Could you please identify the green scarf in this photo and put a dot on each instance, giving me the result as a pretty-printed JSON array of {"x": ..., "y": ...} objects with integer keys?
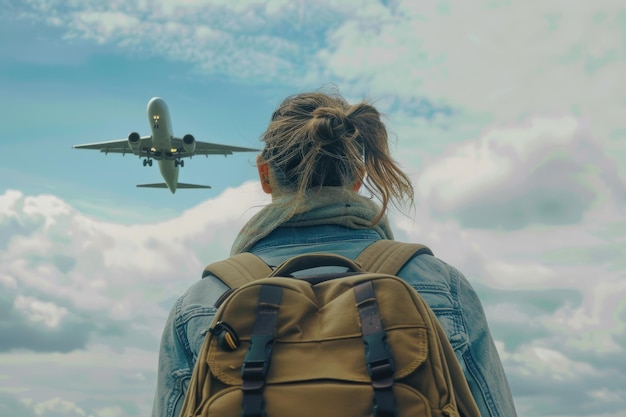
[{"x": 326, "y": 205}]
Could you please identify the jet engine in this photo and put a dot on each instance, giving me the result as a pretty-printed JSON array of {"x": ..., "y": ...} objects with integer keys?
[
  {"x": 133, "y": 141},
  {"x": 189, "y": 143}
]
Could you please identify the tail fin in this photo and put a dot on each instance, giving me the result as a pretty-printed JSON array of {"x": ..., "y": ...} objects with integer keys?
[{"x": 179, "y": 185}]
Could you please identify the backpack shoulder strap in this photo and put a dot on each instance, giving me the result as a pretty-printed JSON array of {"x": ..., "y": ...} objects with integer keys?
[
  {"x": 389, "y": 256},
  {"x": 238, "y": 270}
]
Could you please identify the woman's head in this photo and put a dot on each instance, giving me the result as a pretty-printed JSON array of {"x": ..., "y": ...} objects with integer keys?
[{"x": 319, "y": 139}]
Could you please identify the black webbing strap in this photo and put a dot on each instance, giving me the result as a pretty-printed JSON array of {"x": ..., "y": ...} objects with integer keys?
[
  {"x": 377, "y": 353},
  {"x": 258, "y": 357}
]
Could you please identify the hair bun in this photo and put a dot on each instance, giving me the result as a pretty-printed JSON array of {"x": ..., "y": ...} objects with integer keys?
[{"x": 331, "y": 124}]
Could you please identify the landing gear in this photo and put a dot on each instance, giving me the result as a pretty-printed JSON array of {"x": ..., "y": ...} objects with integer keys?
[
  {"x": 179, "y": 162},
  {"x": 147, "y": 162}
]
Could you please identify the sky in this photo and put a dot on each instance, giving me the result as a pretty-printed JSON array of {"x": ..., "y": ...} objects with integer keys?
[{"x": 509, "y": 117}]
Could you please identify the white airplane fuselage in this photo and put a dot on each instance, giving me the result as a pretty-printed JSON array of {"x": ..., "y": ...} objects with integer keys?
[{"x": 162, "y": 133}]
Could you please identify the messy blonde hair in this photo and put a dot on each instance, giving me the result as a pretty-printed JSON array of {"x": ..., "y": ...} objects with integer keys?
[{"x": 318, "y": 139}]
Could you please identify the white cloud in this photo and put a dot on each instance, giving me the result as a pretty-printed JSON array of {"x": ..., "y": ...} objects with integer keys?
[
  {"x": 595, "y": 325},
  {"x": 552, "y": 364},
  {"x": 226, "y": 38},
  {"x": 523, "y": 275},
  {"x": 100, "y": 258},
  {"x": 40, "y": 311},
  {"x": 110, "y": 412},
  {"x": 500, "y": 59},
  {"x": 8, "y": 202},
  {"x": 538, "y": 171},
  {"x": 509, "y": 313},
  {"x": 58, "y": 407},
  {"x": 8, "y": 281},
  {"x": 96, "y": 380},
  {"x": 104, "y": 25}
]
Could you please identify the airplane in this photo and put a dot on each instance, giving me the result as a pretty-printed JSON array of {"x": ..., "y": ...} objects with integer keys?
[{"x": 162, "y": 146}]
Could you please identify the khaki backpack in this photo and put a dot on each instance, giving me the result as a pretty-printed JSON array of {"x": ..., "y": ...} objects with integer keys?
[{"x": 359, "y": 343}]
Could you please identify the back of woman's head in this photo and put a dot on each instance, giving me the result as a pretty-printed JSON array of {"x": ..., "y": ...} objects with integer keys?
[{"x": 319, "y": 139}]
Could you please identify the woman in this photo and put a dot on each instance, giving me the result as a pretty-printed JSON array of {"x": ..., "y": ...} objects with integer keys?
[{"x": 319, "y": 151}]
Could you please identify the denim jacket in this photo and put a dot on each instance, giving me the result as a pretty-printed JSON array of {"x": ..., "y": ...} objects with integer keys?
[{"x": 444, "y": 288}]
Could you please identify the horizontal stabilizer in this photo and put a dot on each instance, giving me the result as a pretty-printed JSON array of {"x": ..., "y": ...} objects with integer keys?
[
  {"x": 179, "y": 185},
  {"x": 185, "y": 185}
]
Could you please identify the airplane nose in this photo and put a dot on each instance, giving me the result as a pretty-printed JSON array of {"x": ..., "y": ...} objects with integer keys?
[{"x": 156, "y": 104}]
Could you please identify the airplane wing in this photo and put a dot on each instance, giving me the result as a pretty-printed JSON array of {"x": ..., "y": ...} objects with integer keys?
[
  {"x": 206, "y": 148},
  {"x": 116, "y": 146}
]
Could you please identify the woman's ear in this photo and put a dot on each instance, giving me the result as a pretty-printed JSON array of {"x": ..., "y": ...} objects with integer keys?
[{"x": 264, "y": 174}]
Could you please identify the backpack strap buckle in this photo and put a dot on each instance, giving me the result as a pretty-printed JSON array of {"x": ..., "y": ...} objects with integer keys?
[
  {"x": 257, "y": 361},
  {"x": 379, "y": 361},
  {"x": 381, "y": 374},
  {"x": 377, "y": 353}
]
